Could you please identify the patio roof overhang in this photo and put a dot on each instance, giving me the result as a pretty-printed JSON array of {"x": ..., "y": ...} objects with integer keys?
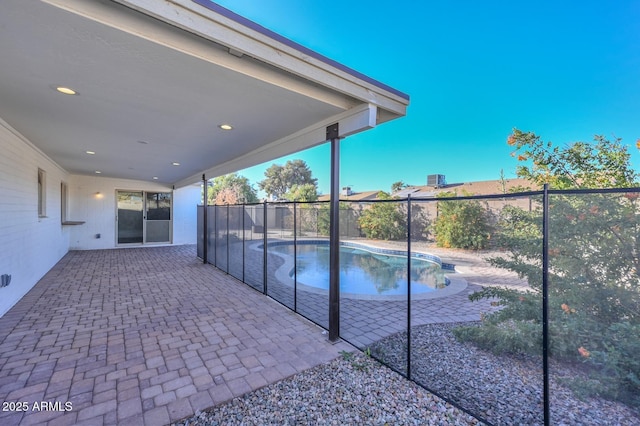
[{"x": 154, "y": 81}]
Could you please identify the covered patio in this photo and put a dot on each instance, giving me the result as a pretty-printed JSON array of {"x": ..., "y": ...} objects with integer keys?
[
  {"x": 105, "y": 107},
  {"x": 145, "y": 336}
]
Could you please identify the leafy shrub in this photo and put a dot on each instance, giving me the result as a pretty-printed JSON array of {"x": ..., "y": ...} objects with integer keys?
[
  {"x": 347, "y": 216},
  {"x": 509, "y": 336},
  {"x": 384, "y": 221},
  {"x": 594, "y": 262},
  {"x": 618, "y": 365},
  {"x": 461, "y": 224}
]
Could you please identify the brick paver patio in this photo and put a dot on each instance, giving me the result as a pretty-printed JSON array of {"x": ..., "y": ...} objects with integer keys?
[{"x": 144, "y": 336}]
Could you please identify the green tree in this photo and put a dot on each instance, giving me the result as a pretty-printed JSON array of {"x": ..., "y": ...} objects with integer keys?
[
  {"x": 461, "y": 224},
  {"x": 384, "y": 221},
  {"x": 602, "y": 164},
  {"x": 304, "y": 192},
  {"x": 280, "y": 179},
  {"x": 594, "y": 259},
  {"x": 397, "y": 186},
  {"x": 502, "y": 182},
  {"x": 231, "y": 189}
]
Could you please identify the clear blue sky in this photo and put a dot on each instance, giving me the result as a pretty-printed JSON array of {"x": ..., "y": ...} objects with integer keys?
[{"x": 566, "y": 70}]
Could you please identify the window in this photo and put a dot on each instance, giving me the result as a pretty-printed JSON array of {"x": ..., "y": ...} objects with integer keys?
[
  {"x": 42, "y": 193},
  {"x": 63, "y": 201}
]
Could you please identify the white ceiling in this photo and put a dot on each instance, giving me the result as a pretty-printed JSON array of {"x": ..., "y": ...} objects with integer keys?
[{"x": 144, "y": 103}]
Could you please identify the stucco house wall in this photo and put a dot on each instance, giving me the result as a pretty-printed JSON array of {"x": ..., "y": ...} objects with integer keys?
[
  {"x": 93, "y": 200},
  {"x": 30, "y": 245}
]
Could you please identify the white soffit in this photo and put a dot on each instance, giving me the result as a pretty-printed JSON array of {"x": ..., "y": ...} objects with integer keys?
[
  {"x": 122, "y": 19},
  {"x": 350, "y": 122},
  {"x": 245, "y": 37},
  {"x": 156, "y": 78}
]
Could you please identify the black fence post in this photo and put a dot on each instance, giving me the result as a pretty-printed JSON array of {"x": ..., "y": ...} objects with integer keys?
[
  {"x": 215, "y": 232},
  {"x": 205, "y": 231},
  {"x": 409, "y": 286},
  {"x": 244, "y": 207},
  {"x": 228, "y": 238},
  {"x": 264, "y": 247},
  {"x": 295, "y": 259},
  {"x": 545, "y": 302}
]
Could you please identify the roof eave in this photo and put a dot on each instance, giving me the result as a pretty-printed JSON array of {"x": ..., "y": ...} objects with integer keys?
[{"x": 243, "y": 36}]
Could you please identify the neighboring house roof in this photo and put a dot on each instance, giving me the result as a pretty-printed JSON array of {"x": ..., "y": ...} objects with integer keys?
[
  {"x": 155, "y": 79},
  {"x": 487, "y": 187},
  {"x": 355, "y": 196}
]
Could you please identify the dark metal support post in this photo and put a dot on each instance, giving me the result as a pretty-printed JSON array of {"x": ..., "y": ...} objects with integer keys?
[
  {"x": 205, "y": 232},
  {"x": 264, "y": 248},
  {"x": 409, "y": 286},
  {"x": 333, "y": 135},
  {"x": 545, "y": 303}
]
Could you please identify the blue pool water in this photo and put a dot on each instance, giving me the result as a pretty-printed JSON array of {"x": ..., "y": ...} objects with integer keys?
[{"x": 363, "y": 272}]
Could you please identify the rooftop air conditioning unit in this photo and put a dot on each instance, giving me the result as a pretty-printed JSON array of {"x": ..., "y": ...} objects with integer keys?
[
  {"x": 436, "y": 181},
  {"x": 346, "y": 191}
]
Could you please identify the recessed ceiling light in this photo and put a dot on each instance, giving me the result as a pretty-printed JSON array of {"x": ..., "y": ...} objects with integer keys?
[
  {"x": 175, "y": 163},
  {"x": 91, "y": 152},
  {"x": 66, "y": 90},
  {"x": 98, "y": 172},
  {"x": 155, "y": 178},
  {"x": 226, "y": 126}
]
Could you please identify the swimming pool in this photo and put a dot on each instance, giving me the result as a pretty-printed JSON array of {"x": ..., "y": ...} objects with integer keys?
[{"x": 362, "y": 271}]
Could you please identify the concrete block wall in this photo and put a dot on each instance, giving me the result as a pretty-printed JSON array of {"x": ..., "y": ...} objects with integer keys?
[{"x": 29, "y": 245}]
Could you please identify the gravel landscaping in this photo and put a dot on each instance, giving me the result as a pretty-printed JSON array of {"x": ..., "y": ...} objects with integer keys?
[
  {"x": 356, "y": 389},
  {"x": 504, "y": 390},
  {"x": 352, "y": 390}
]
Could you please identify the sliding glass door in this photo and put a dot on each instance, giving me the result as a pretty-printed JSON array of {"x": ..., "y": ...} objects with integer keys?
[
  {"x": 158, "y": 217},
  {"x": 130, "y": 217},
  {"x": 143, "y": 217}
]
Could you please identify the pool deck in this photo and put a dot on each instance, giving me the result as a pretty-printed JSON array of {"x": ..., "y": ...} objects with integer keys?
[
  {"x": 472, "y": 274},
  {"x": 148, "y": 336},
  {"x": 145, "y": 336}
]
